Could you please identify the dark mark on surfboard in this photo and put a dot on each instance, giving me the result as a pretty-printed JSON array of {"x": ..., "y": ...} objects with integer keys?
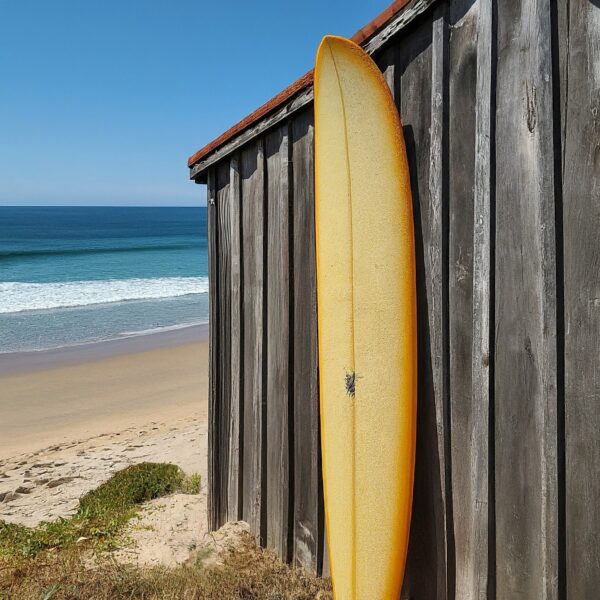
[{"x": 350, "y": 383}]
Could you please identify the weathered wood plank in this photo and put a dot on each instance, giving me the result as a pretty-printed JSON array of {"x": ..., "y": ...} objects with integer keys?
[
  {"x": 234, "y": 488},
  {"x": 253, "y": 252},
  {"x": 308, "y": 493},
  {"x": 427, "y": 527},
  {"x": 435, "y": 230},
  {"x": 581, "y": 211},
  {"x": 277, "y": 152},
  {"x": 470, "y": 289},
  {"x": 526, "y": 489},
  {"x": 480, "y": 580},
  {"x": 386, "y": 60},
  {"x": 223, "y": 411},
  {"x": 213, "y": 273},
  {"x": 559, "y": 17},
  {"x": 463, "y": 63}
]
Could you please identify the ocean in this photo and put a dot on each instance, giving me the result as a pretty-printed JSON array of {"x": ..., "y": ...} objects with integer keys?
[{"x": 72, "y": 275}]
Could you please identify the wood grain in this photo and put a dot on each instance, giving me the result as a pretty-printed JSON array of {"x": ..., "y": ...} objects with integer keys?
[
  {"x": 581, "y": 210},
  {"x": 526, "y": 485},
  {"x": 214, "y": 493},
  {"x": 234, "y": 488},
  {"x": 308, "y": 493},
  {"x": 480, "y": 580},
  {"x": 468, "y": 458},
  {"x": 436, "y": 264},
  {"x": 223, "y": 209},
  {"x": 253, "y": 240},
  {"x": 278, "y": 392}
]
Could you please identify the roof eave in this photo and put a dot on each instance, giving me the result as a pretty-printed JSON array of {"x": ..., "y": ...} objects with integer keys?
[{"x": 361, "y": 37}]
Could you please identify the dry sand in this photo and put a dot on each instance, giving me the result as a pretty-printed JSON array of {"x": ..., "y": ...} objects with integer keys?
[
  {"x": 76, "y": 400},
  {"x": 64, "y": 430}
]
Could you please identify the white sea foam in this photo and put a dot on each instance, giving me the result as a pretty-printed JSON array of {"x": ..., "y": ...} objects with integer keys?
[
  {"x": 22, "y": 296},
  {"x": 163, "y": 329}
]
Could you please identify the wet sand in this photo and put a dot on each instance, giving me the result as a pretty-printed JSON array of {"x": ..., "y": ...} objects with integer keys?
[{"x": 21, "y": 362}]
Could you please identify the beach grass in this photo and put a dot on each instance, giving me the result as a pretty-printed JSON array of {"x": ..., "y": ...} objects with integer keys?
[
  {"x": 102, "y": 513},
  {"x": 247, "y": 573},
  {"x": 67, "y": 559}
]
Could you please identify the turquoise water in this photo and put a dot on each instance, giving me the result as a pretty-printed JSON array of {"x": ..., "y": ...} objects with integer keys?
[{"x": 70, "y": 275}]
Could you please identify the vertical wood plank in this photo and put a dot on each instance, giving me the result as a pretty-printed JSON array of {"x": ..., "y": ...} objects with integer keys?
[
  {"x": 559, "y": 42},
  {"x": 234, "y": 487},
  {"x": 424, "y": 567},
  {"x": 581, "y": 219},
  {"x": 479, "y": 581},
  {"x": 222, "y": 204},
  {"x": 526, "y": 488},
  {"x": 253, "y": 221},
  {"x": 470, "y": 289},
  {"x": 308, "y": 495},
  {"x": 435, "y": 228},
  {"x": 468, "y": 459},
  {"x": 386, "y": 60},
  {"x": 278, "y": 353},
  {"x": 213, "y": 487}
]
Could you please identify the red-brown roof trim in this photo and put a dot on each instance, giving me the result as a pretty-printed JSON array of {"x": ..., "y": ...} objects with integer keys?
[{"x": 360, "y": 37}]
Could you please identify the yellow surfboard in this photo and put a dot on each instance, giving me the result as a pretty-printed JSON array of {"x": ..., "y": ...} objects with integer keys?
[{"x": 367, "y": 322}]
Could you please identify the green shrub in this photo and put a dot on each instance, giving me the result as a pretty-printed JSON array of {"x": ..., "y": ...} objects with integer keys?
[{"x": 102, "y": 513}]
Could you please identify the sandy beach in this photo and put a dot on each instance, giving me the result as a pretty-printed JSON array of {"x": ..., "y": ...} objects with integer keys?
[
  {"x": 73, "y": 417},
  {"x": 59, "y": 396}
]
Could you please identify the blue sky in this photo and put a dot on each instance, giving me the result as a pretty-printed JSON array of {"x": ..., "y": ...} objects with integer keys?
[{"x": 102, "y": 102}]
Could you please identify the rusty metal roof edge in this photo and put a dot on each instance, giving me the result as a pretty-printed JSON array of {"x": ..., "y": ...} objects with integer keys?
[{"x": 361, "y": 37}]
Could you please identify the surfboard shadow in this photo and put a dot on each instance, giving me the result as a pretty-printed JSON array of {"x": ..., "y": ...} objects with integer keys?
[{"x": 427, "y": 566}]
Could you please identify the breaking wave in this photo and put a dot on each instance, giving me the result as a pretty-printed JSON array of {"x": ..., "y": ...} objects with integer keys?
[{"x": 21, "y": 296}]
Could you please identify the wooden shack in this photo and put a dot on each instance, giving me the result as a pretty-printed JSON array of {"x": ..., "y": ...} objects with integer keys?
[{"x": 500, "y": 102}]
